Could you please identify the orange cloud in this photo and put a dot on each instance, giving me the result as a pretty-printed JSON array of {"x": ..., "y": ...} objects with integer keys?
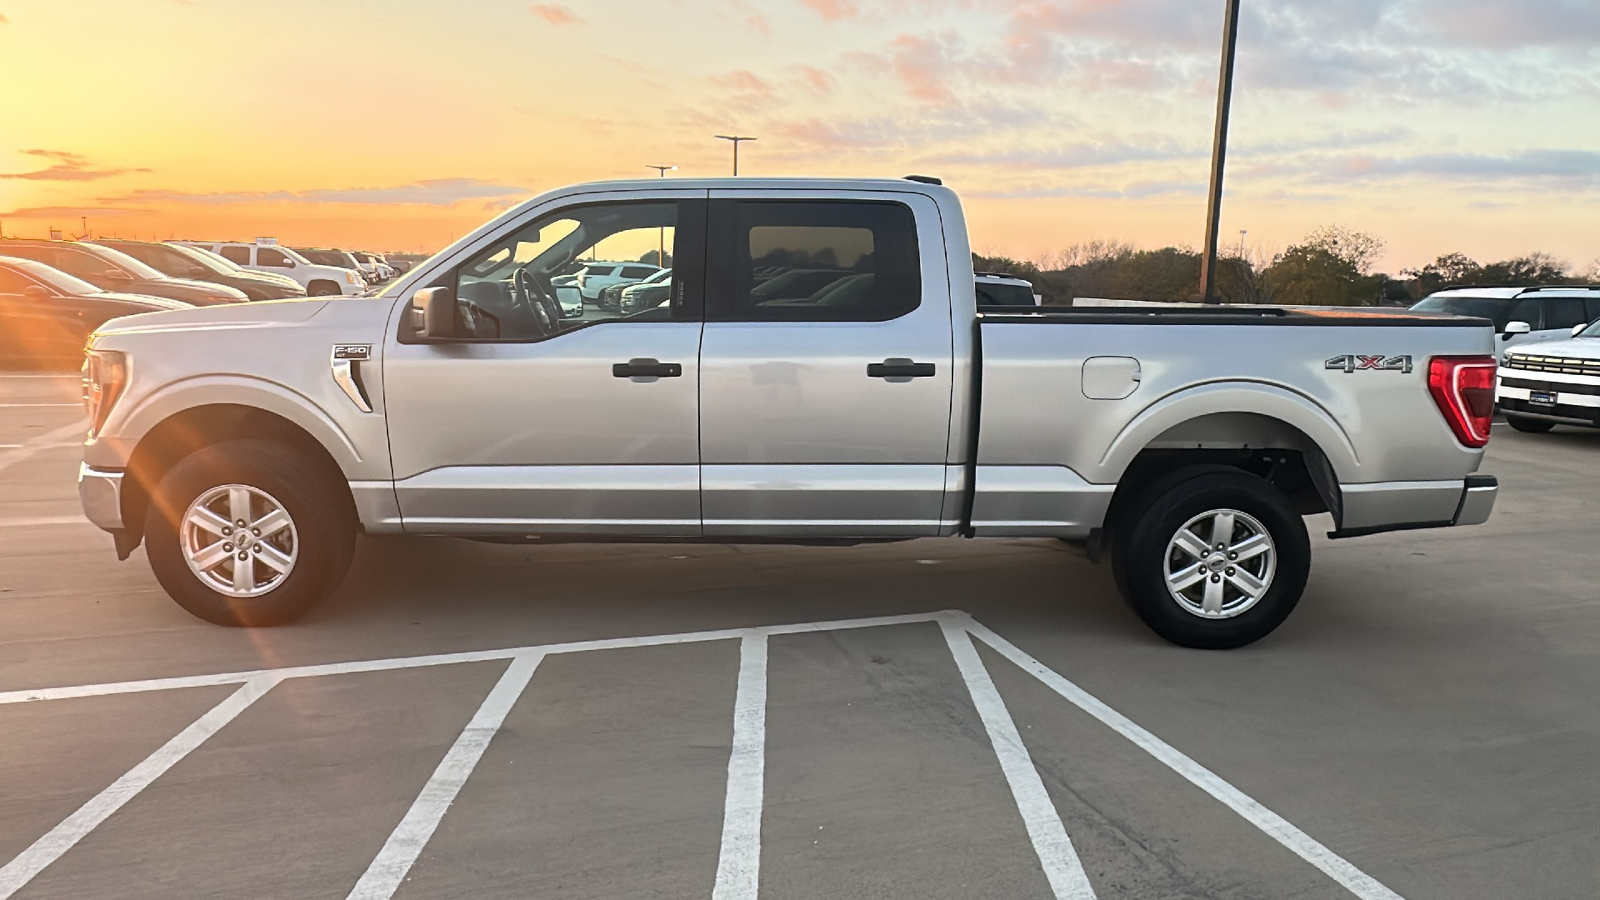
[
  {"x": 557, "y": 14},
  {"x": 65, "y": 167},
  {"x": 833, "y": 10}
]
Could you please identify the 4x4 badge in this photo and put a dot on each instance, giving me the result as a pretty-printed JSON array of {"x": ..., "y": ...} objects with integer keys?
[{"x": 1355, "y": 362}]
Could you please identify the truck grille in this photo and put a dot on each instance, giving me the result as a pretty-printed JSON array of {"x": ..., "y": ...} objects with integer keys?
[{"x": 1553, "y": 364}]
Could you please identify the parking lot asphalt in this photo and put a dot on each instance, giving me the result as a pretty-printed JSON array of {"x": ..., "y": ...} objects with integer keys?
[{"x": 662, "y": 721}]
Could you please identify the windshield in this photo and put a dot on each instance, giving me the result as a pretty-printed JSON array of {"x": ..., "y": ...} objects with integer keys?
[
  {"x": 212, "y": 263},
  {"x": 54, "y": 277},
  {"x": 1495, "y": 309},
  {"x": 225, "y": 264},
  {"x": 132, "y": 266}
]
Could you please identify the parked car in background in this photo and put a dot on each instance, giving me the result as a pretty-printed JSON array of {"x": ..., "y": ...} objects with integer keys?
[
  {"x": 1520, "y": 315},
  {"x": 318, "y": 280},
  {"x": 568, "y": 295},
  {"x": 597, "y": 276},
  {"x": 231, "y": 266},
  {"x": 187, "y": 262},
  {"x": 113, "y": 270},
  {"x": 611, "y": 297},
  {"x": 646, "y": 294},
  {"x": 1552, "y": 383},
  {"x": 1000, "y": 289},
  {"x": 341, "y": 259},
  {"x": 382, "y": 270},
  {"x": 46, "y": 315}
]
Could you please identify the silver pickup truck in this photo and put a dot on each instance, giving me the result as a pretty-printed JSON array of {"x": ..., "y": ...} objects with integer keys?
[{"x": 817, "y": 372}]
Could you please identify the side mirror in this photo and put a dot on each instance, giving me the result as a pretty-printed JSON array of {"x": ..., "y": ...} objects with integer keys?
[
  {"x": 1579, "y": 329},
  {"x": 197, "y": 271},
  {"x": 433, "y": 314},
  {"x": 116, "y": 275},
  {"x": 1515, "y": 328},
  {"x": 35, "y": 292}
]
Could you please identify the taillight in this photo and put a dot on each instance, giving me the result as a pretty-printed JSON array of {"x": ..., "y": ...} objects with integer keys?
[
  {"x": 105, "y": 374},
  {"x": 1463, "y": 387}
]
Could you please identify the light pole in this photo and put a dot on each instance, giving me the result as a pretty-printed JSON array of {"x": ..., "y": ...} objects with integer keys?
[
  {"x": 735, "y": 139},
  {"x": 1219, "y": 152},
  {"x": 1242, "y": 233},
  {"x": 661, "y": 233}
]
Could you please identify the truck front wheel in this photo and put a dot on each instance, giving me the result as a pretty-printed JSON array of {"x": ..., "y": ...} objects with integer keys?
[
  {"x": 248, "y": 533},
  {"x": 1214, "y": 561}
]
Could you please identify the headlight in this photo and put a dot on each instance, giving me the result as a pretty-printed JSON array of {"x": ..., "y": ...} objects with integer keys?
[
  {"x": 352, "y": 277},
  {"x": 105, "y": 374}
]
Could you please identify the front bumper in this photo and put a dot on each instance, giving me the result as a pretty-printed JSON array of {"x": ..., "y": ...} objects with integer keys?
[{"x": 100, "y": 493}]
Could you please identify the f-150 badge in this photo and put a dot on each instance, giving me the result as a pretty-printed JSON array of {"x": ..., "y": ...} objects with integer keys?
[{"x": 1355, "y": 362}]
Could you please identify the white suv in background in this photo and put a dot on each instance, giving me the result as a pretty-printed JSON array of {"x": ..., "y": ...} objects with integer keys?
[
  {"x": 264, "y": 256},
  {"x": 597, "y": 276},
  {"x": 1000, "y": 289},
  {"x": 1521, "y": 315}
]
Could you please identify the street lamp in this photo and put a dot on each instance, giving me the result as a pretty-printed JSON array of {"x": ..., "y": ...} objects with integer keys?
[
  {"x": 1219, "y": 152},
  {"x": 735, "y": 139},
  {"x": 661, "y": 233}
]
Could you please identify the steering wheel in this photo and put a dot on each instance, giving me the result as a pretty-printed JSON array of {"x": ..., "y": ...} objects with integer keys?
[{"x": 536, "y": 298}]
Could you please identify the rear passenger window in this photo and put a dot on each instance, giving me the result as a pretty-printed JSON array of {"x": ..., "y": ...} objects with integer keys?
[
  {"x": 843, "y": 261},
  {"x": 1563, "y": 312},
  {"x": 600, "y": 271},
  {"x": 237, "y": 255},
  {"x": 638, "y": 272},
  {"x": 266, "y": 256},
  {"x": 1592, "y": 308}
]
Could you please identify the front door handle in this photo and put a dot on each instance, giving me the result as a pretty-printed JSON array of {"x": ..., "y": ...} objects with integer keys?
[
  {"x": 646, "y": 368},
  {"x": 900, "y": 369}
]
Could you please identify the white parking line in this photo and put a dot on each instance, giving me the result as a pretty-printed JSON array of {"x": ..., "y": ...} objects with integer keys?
[
  {"x": 1273, "y": 825},
  {"x": 72, "y": 829},
  {"x": 1062, "y": 868},
  {"x": 400, "y": 852},
  {"x": 739, "y": 860},
  {"x": 43, "y": 521},
  {"x": 46, "y": 441},
  {"x": 738, "y": 872}
]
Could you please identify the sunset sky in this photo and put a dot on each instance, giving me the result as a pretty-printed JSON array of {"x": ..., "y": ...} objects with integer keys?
[{"x": 1440, "y": 125}]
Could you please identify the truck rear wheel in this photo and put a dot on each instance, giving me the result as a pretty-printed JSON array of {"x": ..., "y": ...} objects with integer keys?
[
  {"x": 1531, "y": 426},
  {"x": 1213, "y": 559},
  {"x": 248, "y": 533}
]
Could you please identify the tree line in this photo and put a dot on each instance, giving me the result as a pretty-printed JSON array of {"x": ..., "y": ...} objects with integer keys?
[{"x": 1332, "y": 266}]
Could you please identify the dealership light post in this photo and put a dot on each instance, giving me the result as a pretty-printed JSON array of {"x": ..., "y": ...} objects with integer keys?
[
  {"x": 1219, "y": 152},
  {"x": 661, "y": 233},
  {"x": 735, "y": 139}
]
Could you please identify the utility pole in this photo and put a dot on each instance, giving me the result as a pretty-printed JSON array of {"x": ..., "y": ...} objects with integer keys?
[
  {"x": 661, "y": 233},
  {"x": 735, "y": 139},
  {"x": 1219, "y": 152},
  {"x": 1242, "y": 233}
]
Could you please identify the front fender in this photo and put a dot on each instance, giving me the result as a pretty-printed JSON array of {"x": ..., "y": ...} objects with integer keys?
[
  {"x": 1271, "y": 401},
  {"x": 131, "y": 421}
]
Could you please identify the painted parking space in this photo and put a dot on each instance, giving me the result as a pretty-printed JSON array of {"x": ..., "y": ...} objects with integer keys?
[{"x": 368, "y": 768}]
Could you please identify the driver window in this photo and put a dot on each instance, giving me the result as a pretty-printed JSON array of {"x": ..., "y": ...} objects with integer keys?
[{"x": 605, "y": 262}]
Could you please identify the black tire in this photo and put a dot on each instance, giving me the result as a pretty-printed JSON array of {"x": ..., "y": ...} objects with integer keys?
[
  {"x": 322, "y": 516},
  {"x": 1150, "y": 524},
  {"x": 1530, "y": 426},
  {"x": 322, "y": 289}
]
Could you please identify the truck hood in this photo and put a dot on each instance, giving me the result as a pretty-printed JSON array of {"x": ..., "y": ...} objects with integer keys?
[
  {"x": 1572, "y": 348},
  {"x": 265, "y": 314}
]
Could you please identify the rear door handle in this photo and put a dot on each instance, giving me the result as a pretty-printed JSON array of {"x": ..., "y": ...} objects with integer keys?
[
  {"x": 646, "y": 368},
  {"x": 900, "y": 368}
]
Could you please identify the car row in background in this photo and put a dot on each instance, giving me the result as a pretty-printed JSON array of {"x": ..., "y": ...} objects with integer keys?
[
  {"x": 268, "y": 256},
  {"x": 1552, "y": 383},
  {"x": 178, "y": 261},
  {"x": 110, "y": 269},
  {"x": 46, "y": 315}
]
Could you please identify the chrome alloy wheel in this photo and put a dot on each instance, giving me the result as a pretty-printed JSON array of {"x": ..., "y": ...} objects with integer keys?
[
  {"x": 1220, "y": 564},
  {"x": 239, "y": 540}
]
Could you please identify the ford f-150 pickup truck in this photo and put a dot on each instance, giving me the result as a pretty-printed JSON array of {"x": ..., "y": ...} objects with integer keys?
[{"x": 818, "y": 372}]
